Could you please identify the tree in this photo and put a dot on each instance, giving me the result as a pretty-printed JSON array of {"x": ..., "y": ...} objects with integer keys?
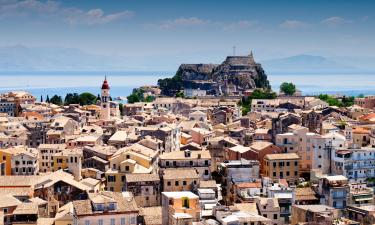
[
  {"x": 71, "y": 99},
  {"x": 41, "y": 98},
  {"x": 57, "y": 100},
  {"x": 171, "y": 86},
  {"x": 245, "y": 102},
  {"x": 121, "y": 108},
  {"x": 47, "y": 100},
  {"x": 86, "y": 98},
  {"x": 149, "y": 98},
  {"x": 136, "y": 96},
  {"x": 288, "y": 88}
]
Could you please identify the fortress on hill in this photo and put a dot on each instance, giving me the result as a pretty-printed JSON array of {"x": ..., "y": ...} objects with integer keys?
[{"x": 234, "y": 76}]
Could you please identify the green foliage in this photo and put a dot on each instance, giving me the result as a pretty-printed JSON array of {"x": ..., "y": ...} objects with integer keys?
[
  {"x": 71, "y": 99},
  {"x": 47, "y": 99},
  {"x": 87, "y": 99},
  {"x": 245, "y": 103},
  {"x": 121, "y": 108},
  {"x": 180, "y": 94},
  {"x": 345, "y": 101},
  {"x": 135, "y": 96},
  {"x": 361, "y": 96},
  {"x": 138, "y": 96},
  {"x": 57, "y": 100},
  {"x": 82, "y": 99},
  {"x": 288, "y": 88},
  {"x": 149, "y": 98},
  {"x": 171, "y": 86}
]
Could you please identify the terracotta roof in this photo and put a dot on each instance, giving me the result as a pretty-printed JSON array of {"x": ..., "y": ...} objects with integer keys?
[
  {"x": 141, "y": 177},
  {"x": 283, "y": 156},
  {"x": 181, "y": 155},
  {"x": 26, "y": 208},
  {"x": 305, "y": 194},
  {"x": 249, "y": 185},
  {"x": 207, "y": 184},
  {"x": 260, "y": 145},
  {"x": 180, "y": 174},
  {"x": 125, "y": 203},
  {"x": 151, "y": 215}
]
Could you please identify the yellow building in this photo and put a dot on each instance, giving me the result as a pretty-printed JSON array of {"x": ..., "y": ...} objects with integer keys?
[
  {"x": 133, "y": 159},
  {"x": 5, "y": 162},
  {"x": 180, "y": 208},
  {"x": 282, "y": 166},
  {"x": 180, "y": 179},
  {"x": 70, "y": 159}
]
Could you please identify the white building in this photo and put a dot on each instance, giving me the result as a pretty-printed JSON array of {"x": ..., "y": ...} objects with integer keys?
[
  {"x": 194, "y": 92},
  {"x": 355, "y": 163}
]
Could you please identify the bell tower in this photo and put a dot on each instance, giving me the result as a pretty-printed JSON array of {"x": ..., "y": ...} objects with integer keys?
[{"x": 104, "y": 101}]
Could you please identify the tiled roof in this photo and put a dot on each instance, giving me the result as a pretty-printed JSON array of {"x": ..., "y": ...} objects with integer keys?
[
  {"x": 283, "y": 156},
  {"x": 141, "y": 177},
  {"x": 180, "y": 174}
]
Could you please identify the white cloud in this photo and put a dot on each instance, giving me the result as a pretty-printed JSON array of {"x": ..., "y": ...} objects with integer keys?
[
  {"x": 74, "y": 16},
  {"x": 93, "y": 16},
  {"x": 180, "y": 22},
  {"x": 27, "y": 7},
  {"x": 335, "y": 21},
  {"x": 293, "y": 24},
  {"x": 242, "y": 24}
]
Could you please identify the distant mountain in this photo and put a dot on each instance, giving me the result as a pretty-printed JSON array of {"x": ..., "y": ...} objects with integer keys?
[
  {"x": 22, "y": 58},
  {"x": 308, "y": 64}
]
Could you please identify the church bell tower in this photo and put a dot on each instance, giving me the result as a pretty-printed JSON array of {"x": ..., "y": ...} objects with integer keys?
[{"x": 105, "y": 112}]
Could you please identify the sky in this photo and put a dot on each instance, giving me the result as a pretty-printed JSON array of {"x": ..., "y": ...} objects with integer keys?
[{"x": 147, "y": 33}]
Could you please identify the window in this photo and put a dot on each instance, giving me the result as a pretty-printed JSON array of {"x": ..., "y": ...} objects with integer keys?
[
  {"x": 111, "y": 206},
  {"x": 176, "y": 183},
  {"x": 122, "y": 221},
  {"x": 126, "y": 168},
  {"x": 113, "y": 221},
  {"x": 184, "y": 182},
  {"x": 287, "y": 173},
  {"x": 168, "y": 183},
  {"x": 122, "y": 178},
  {"x": 111, "y": 178},
  {"x": 87, "y": 222},
  {"x": 100, "y": 222},
  {"x": 287, "y": 163},
  {"x": 206, "y": 162},
  {"x": 295, "y": 163},
  {"x": 206, "y": 172},
  {"x": 274, "y": 174},
  {"x": 275, "y": 216},
  {"x": 132, "y": 220},
  {"x": 185, "y": 202}
]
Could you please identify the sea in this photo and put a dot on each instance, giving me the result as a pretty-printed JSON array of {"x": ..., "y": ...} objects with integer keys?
[{"x": 122, "y": 83}]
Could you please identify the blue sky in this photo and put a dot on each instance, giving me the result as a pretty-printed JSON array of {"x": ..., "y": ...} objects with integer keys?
[{"x": 192, "y": 31}]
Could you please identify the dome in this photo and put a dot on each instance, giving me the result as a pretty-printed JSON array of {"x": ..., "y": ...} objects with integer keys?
[{"x": 105, "y": 84}]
